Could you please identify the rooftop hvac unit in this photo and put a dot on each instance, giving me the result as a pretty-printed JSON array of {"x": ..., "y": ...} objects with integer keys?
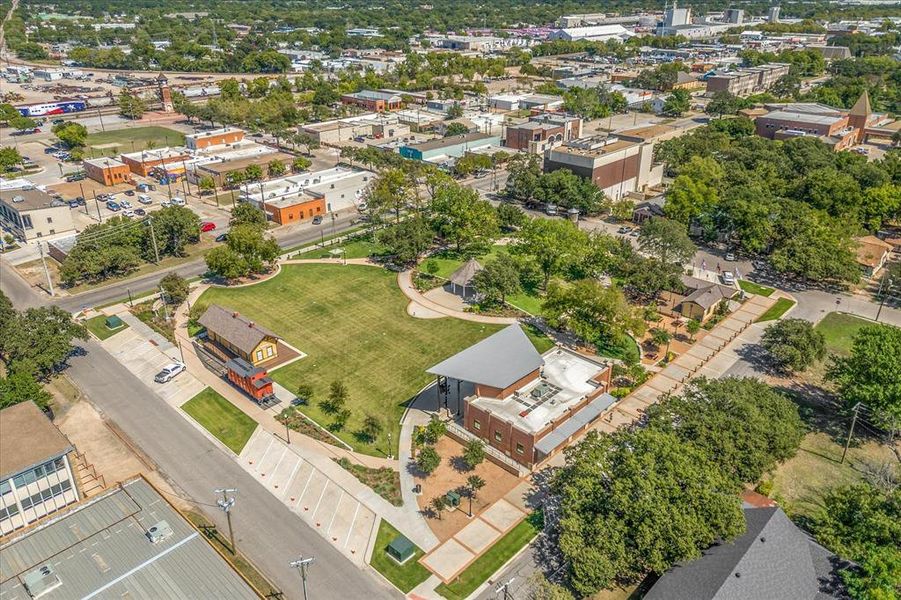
[
  {"x": 18, "y": 199},
  {"x": 41, "y": 581},
  {"x": 159, "y": 532}
]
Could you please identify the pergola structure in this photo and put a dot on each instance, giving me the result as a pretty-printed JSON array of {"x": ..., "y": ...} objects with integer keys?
[{"x": 463, "y": 276}]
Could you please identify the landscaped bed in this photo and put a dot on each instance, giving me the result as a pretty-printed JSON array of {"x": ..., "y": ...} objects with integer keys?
[
  {"x": 221, "y": 418},
  {"x": 97, "y": 326},
  {"x": 352, "y": 323},
  {"x": 384, "y": 481},
  {"x": 503, "y": 550},
  {"x": 144, "y": 311},
  {"x": 776, "y": 311},
  {"x": 405, "y": 576},
  {"x": 755, "y": 288}
]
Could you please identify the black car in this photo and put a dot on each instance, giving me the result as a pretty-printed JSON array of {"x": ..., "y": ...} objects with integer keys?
[
  {"x": 129, "y": 192},
  {"x": 140, "y": 212},
  {"x": 73, "y": 204},
  {"x": 222, "y": 237}
]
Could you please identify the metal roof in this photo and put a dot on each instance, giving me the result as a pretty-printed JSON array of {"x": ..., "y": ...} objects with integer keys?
[
  {"x": 497, "y": 361},
  {"x": 101, "y": 549},
  {"x": 586, "y": 415}
]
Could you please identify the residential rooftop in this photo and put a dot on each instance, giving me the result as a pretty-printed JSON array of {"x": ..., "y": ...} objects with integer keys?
[
  {"x": 27, "y": 439},
  {"x": 126, "y": 543}
]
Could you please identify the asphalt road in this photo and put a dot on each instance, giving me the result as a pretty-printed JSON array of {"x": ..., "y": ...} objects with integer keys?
[
  {"x": 21, "y": 296},
  {"x": 264, "y": 528}
]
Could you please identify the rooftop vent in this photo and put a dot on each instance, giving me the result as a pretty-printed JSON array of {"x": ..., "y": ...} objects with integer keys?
[
  {"x": 18, "y": 199},
  {"x": 159, "y": 532},
  {"x": 41, "y": 581}
]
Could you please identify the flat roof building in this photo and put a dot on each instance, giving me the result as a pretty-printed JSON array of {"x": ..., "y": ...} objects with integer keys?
[
  {"x": 35, "y": 473},
  {"x": 306, "y": 195},
  {"x": 455, "y": 146},
  {"x": 523, "y": 404},
  {"x": 107, "y": 171},
  {"x": 141, "y": 163},
  {"x": 213, "y": 137},
  {"x": 30, "y": 213},
  {"x": 126, "y": 543},
  {"x": 373, "y": 100},
  {"x": 543, "y": 131},
  {"x": 596, "y": 33},
  {"x": 751, "y": 80}
]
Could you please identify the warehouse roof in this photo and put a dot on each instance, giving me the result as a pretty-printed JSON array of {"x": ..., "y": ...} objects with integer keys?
[
  {"x": 27, "y": 439},
  {"x": 497, "y": 361},
  {"x": 107, "y": 548}
]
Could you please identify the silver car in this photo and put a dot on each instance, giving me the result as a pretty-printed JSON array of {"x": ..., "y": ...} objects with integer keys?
[{"x": 169, "y": 372}]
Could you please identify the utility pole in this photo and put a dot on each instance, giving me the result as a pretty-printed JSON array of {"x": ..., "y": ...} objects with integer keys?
[
  {"x": 156, "y": 251},
  {"x": 97, "y": 204},
  {"x": 46, "y": 272},
  {"x": 302, "y": 565},
  {"x": 165, "y": 304},
  {"x": 226, "y": 504},
  {"x": 883, "y": 294},
  {"x": 856, "y": 409},
  {"x": 505, "y": 588}
]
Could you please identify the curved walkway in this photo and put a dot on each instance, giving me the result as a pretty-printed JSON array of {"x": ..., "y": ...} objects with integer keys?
[{"x": 405, "y": 282}]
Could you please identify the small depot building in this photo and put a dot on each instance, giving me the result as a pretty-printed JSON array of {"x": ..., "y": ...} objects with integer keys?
[
  {"x": 292, "y": 209},
  {"x": 108, "y": 171},
  {"x": 238, "y": 335}
]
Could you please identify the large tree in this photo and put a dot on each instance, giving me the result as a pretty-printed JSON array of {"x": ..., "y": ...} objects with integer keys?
[
  {"x": 393, "y": 190},
  {"x": 38, "y": 340},
  {"x": 499, "y": 279},
  {"x": 667, "y": 241},
  {"x": 794, "y": 344},
  {"x": 463, "y": 218},
  {"x": 595, "y": 313},
  {"x": 555, "y": 245},
  {"x": 634, "y": 502},
  {"x": 246, "y": 213},
  {"x": 406, "y": 240},
  {"x": 743, "y": 426},
  {"x": 174, "y": 227},
  {"x": 870, "y": 375}
]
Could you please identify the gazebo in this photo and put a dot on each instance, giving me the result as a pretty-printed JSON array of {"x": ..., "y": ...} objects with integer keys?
[{"x": 463, "y": 276}]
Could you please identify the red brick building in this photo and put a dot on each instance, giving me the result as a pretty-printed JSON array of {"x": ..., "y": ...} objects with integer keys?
[
  {"x": 542, "y": 132},
  {"x": 215, "y": 137},
  {"x": 523, "y": 405},
  {"x": 374, "y": 101},
  {"x": 107, "y": 171}
]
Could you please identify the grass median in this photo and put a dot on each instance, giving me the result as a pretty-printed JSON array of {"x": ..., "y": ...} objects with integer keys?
[
  {"x": 221, "y": 418},
  {"x": 755, "y": 288},
  {"x": 97, "y": 326},
  {"x": 776, "y": 311},
  {"x": 405, "y": 577}
]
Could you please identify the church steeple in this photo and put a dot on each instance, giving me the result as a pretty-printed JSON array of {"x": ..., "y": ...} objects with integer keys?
[{"x": 860, "y": 116}]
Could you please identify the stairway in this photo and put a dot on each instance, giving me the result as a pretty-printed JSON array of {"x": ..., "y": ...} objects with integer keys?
[{"x": 89, "y": 482}]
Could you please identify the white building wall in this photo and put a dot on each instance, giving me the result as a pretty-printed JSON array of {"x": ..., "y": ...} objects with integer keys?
[{"x": 26, "y": 497}]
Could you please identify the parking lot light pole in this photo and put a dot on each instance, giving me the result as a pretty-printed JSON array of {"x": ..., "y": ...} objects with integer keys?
[{"x": 302, "y": 565}]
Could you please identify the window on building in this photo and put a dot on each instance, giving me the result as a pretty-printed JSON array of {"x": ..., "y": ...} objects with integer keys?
[
  {"x": 26, "y": 222},
  {"x": 50, "y": 219},
  {"x": 259, "y": 355},
  {"x": 476, "y": 424},
  {"x": 498, "y": 437},
  {"x": 519, "y": 448},
  {"x": 5, "y": 487},
  {"x": 268, "y": 350},
  {"x": 8, "y": 512}
]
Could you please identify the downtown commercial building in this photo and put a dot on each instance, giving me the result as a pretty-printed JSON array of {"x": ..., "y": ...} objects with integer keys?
[{"x": 745, "y": 82}]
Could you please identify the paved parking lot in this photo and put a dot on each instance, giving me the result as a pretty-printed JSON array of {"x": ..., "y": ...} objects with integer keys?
[
  {"x": 144, "y": 360},
  {"x": 328, "y": 508}
]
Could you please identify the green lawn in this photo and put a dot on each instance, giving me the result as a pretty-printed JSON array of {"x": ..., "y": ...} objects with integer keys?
[
  {"x": 97, "y": 326},
  {"x": 448, "y": 262},
  {"x": 221, "y": 418},
  {"x": 484, "y": 567},
  {"x": 839, "y": 330},
  {"x": 405, "y": 577},
  {"x": 755, "y": 288},
  {"x": 132, "y": 139},
  {"x": 352, "y": 323},
  {"x": 777, "y": 310},
  {"x": 354, "y": 249}
]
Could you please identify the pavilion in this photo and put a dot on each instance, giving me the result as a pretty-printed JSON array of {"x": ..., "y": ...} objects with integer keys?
[{"x": 463, "y": 276}]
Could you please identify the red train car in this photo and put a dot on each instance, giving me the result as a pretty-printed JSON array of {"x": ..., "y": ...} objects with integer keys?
[{"x": 254, "y": 381}]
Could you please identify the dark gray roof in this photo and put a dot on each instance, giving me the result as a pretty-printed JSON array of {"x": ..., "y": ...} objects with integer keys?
[
  {"x": 706, "y": 293},
  {"x": 101, "y": 549},
  {"x": 498, "y": 361},
  {"x": 773, "y": 560},
  {"x": 238, "y": 330},
  {"x": 464, "y": 275}
]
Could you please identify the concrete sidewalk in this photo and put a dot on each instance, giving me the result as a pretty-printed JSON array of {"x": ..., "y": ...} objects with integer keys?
[{"x": 405, "y": 282}]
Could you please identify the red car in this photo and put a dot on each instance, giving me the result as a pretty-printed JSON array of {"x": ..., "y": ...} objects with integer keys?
[{"x": 207, "y": 226}]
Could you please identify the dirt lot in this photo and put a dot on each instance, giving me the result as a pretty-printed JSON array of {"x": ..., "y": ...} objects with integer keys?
[{"x": 452, "y": 474}]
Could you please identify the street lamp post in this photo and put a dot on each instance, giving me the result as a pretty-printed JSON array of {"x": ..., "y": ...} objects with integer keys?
[
  {"x": 226, "y": 504},
  {"x": 302, "y": 565}
]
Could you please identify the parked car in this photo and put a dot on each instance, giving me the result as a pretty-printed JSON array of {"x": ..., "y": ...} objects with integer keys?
[
  {"x": 169, "y": 372},
  {"x": 317, "y": 220},
  {"x": 126, "y": 204},
  {"x": 140, "y": 212},
  {"x": 58, "y": 121},
  {"x": 145, "y": 199},
  {"x": 222, "y": 237},
  {"x": 80, "y": 200},
  {"x": 73, "y": 204},
  {"x": 728, "y": 278},
  {"x": 129, "y": 192},
  {"x": 128, "y": 213},
  {"x": 550, "y": 210},
  {"x": 623, "y": 230},
  {"x": 730, "y": 257},
  {"x": 207, "y": 226},
  {"x": 176, "y": 201},
  {"x": 75, "y": 177},
  {"x": 113, "y": 206},
  {"x": 165, "y": 203}
]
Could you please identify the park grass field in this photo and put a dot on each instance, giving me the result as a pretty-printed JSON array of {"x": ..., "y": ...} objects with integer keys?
[
  {"x": 351, "y": 320},
  {"x": 839, "y": 330},
  {"x": 221, "y": 418},
  {"x": 405, "y": 577},
  {"x": 132, "y": 139}
]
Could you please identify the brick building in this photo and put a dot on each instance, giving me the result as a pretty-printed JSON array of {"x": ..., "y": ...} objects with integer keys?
[
  {"x": 745, "y": 82},
  {"x": 215, "y": 137},
  {"x": 542, "y": 132},
  {"x": 107, "y": 171},
  {"x": 141, "y": 163},
  {"x": 523, "y": 404},
  {"x": 374, "y": 101}
]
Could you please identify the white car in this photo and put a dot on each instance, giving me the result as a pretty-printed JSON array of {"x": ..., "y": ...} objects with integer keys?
[
  {"x": 169, "y": 372},
  {"x": 728, "y": 278},
  {"x": 126, "y": 204},
  {"x": 165, "y": 203},
  {"x": 176, "y": 201},
  {"x": 129, "y": 213},
  {"x": 145, "y": 199}
]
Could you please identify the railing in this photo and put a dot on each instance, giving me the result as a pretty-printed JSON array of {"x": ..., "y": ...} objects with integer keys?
[{"x": 493, "y": 453}]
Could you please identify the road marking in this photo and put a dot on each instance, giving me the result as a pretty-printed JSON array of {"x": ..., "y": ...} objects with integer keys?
[
  {"x": 334, "y": 514},
  {"x": 352, "y": 522},
  {"x": 280, "y": 459},
  {"x": 305, "y": 486},
  {"x": 293, "y": 473},
  {"x": 321, "y": 494}
]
